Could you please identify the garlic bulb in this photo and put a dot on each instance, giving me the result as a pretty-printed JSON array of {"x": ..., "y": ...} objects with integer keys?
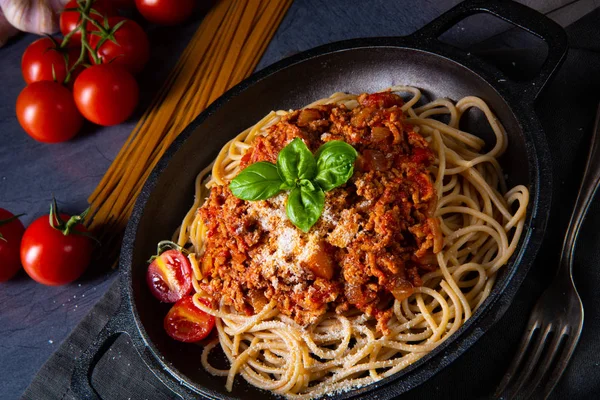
[
  {"x": 35, "y": 16},
  {"x": 6, "y": 30}
]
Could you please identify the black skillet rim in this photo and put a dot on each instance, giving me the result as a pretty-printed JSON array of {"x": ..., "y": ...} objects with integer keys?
[
  {"x": 520, "y": 98},
  {"x": 500, "y": 297}
]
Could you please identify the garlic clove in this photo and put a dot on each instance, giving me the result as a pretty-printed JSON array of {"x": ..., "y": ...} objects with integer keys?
[
  {"x": 35, "y": 16},
  {"x": 6, "y": 30}
]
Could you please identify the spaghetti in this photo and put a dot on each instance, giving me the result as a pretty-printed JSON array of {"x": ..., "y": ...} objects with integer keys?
[{"x": 481, "y": 222}]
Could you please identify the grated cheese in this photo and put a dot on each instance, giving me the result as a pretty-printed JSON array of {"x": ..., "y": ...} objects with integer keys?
[{"x": 288, "y": 247}]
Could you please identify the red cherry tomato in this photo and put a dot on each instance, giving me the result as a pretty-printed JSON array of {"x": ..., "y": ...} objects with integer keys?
[
  {"x": 51, "y": 257},
  {"x": 42, "y": 57},
  {"x": 130, "y": 49},
  {"x": 187, "y": 323},
  {"x": 166, "y": 12},
  {"x": 169, "y": 276},
  {"x": 47, "y": 112},
  {"x": 10, "y": 243},
  {"x": 70, "y": 20},
  {"x": 106, "y": 94}
]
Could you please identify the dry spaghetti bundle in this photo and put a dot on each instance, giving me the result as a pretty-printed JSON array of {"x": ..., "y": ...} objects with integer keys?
[{"x": 225, "y": 49}]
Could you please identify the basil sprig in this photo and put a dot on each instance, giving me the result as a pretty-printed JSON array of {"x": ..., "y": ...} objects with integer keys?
[{"x": 307, "y": 177}]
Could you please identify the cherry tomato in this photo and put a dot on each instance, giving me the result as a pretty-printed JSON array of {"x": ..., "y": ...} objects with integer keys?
[
  {"x": 130, "y": 49},
  {"x": 106, "y": 94},
  {"x": 47, "y": 112},
  {"x": 11, "y": 232},
  {"x": 70, "y": 20},
  {"x": 42, "y": 57},
  {"x": 187, "y": 323},
  {"x": 169, "y": 276},
  {"x": 52, "y": 258},
  {"x": 166, "y": 12}
]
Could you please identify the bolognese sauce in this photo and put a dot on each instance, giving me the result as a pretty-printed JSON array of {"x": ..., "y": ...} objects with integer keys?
[{"x": 373, "y": 242}]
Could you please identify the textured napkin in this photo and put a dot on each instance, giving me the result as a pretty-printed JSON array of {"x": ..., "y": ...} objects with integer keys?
[{"x": 567, "y": 111}]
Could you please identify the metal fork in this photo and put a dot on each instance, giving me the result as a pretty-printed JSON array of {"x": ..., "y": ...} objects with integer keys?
[{"x": 556, "y": 321}]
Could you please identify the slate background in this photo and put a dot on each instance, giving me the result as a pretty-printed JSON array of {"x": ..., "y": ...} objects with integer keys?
[{"x": 35, "y": 319}]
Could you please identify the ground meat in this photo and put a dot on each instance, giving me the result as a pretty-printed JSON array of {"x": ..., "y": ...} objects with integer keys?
[{"x": 368, "y": 246}]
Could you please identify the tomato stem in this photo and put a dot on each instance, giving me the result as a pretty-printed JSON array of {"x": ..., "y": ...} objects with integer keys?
[
  {"x": 96, "y": 24},
  {"x": 67, "y": 38},
  {"x": 165, "y": 245},
  {"x": 6, "y": 221},
  {"x": 104, "y": 32},
  {"x": 84, "y": 9},
  {"x": 68, "y": 227},
  {"x": 109, "y": 34}
]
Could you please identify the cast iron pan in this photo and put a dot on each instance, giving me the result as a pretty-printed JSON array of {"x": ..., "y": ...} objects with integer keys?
[{"x": 360, "y": 65}]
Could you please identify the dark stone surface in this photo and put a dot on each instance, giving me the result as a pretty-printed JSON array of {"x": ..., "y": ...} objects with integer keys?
[{"x": 34, "y": 319}]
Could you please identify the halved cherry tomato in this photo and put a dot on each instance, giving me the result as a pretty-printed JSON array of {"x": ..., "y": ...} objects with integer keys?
[
  {"x": 70, "y": 20},
  {"x": 187, "y": 323},
  {"x": 130, "y": 48},
  {"x": 165, "y": 12},
  {"x": 42, "y": 57},
  {"x": 11, "y": 232},
  {"x": 169, "y": 276},
  {"x": 47, "y": 112},
  {"x": 106, "y": 94}
]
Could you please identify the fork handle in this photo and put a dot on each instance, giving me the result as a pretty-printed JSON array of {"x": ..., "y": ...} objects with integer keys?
[{"x": 589, "y": 185}]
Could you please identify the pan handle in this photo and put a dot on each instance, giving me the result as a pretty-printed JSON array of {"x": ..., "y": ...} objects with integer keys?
[
  {"x": 178, "y": 388},
  {"x": 516, "y": 14},
  {"x": 81, "y": 386},
  {"x": 121, "y": 322}
]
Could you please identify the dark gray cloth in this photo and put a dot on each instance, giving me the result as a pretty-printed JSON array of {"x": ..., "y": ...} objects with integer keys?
[
  {"x": 116, "y": 376},
  {"x": 566, "y": 111}
]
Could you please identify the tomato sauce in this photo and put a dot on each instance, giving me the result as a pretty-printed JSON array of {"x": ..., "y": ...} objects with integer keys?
[{"x": 368, "y": 247}]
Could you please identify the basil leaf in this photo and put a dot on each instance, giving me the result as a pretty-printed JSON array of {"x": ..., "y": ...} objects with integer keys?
[
  {"x": 287, "y": 186},
  {"x": 335, "y": 164},
  {"x": 258, "y": 181},
  {"x": 295, "y": 161},
  {"x": 306, "y": 184},
  {"x": 304, "y": 207}
]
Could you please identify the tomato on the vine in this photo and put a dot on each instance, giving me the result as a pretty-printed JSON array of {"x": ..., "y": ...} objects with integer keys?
[
  {"x": 43, "y": 60},
  {"x": 130, "y": 47},
  {"x": 56, "y": 254},
  {"x": 187, "y": 323},
  {"x": 11, "y": 231},
  {"x": 71, "y": 20},
  {"x": 169, "y": 276},
  {"x": 166, "y": 12},
  {"x": 106, "y": 94},
  {"x": 47, "y": 112}
]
